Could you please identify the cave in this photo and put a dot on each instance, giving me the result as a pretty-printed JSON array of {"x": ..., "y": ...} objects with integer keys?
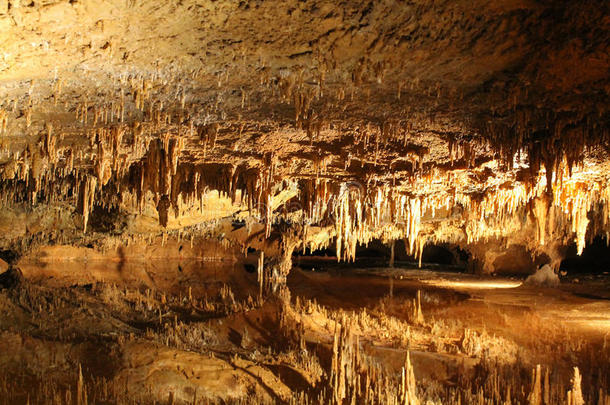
[{"x": 304, "y": 202}]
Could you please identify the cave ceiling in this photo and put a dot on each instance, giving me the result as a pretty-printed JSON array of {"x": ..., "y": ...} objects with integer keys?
[{"x": 324, "y": 122}]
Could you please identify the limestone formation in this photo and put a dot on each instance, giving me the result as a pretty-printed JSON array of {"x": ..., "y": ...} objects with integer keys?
[{"x": 279, "y": 137}]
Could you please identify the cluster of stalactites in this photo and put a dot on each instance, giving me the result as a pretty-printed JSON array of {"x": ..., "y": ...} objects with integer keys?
[
  {"x": 315, "y": 196},
  {"x": 361, "y": 214},
  {"x": 381, "y": 213},
  {"x": 576, "y": 200},
  {"x": 59, "y": 169},
  {"x": 161, "y": 174},
  {"x": 564, "y": 211},
  {"x": 109, "y": 173},
  {"x": 550, "y": 136},
  {"x": 41, "y": 166}
]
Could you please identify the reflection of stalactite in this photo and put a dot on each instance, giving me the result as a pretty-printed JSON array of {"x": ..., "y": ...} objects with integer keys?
[
  {"x": 408, "y": 389},
  {"x": 345, "y": 360}
]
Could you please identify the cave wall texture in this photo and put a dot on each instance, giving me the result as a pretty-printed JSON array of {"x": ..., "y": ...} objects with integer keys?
[{"x": 289, "y": 125}]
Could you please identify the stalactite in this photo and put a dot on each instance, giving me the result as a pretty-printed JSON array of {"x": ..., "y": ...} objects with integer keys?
[
  {"x": 163, "y": 209},
  {"x": 541, "y": 209},
  {"x": 86, "y": 198},
  {"x": 3, "y": 121},
  {"x": 155, "y": 158},
  {"x": 260, "y": 272}
]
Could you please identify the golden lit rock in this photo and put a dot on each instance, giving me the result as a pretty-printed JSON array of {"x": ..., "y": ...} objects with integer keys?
[{"x": 281, "y": 202}]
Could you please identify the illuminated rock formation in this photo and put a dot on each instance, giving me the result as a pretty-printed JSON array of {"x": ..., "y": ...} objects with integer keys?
[{"x": 409, "y": 132}]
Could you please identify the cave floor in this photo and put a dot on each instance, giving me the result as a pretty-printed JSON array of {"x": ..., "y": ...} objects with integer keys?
[{"x": 195, "y": 332}]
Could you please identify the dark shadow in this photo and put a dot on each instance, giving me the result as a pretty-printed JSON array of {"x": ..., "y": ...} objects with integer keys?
[{"x": 595, "y": 258}]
